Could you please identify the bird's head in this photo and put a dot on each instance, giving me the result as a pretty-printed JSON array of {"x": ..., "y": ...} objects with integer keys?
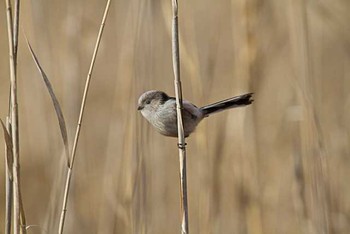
[{"x": 150, "y": 101}]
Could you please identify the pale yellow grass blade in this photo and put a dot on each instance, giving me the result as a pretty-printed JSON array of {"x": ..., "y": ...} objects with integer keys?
[{"x": 55, "y": 102}]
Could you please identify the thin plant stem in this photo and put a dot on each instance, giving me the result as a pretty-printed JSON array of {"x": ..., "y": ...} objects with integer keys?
[
  {"x": 8, "y": 171},
  {"x": 180, "y": 128},
  {"x": 16, "y": 29},
  {"x": 15, "y": 54},
  {"x": 8, "y": 211},
  {"x": 9, "y": 191},
  {"x": 14, "y": 115},
  {"x": 77, "y": 133}
]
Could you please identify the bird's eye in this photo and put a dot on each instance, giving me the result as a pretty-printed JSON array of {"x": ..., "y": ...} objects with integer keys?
[{"x": 148, "y": 101}]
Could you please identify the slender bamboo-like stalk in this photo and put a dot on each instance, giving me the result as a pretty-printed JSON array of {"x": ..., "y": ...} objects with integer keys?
[
  {"x": 180, "y": 128},
  {"x": 14, "y": 113},
  {"x": 8, "y": 211},
  {"x": 77, "y": 133},
  {"x": 15, "y": 53},
  {"x": 16, "y": 29},
  {"x": 9, "y": 177},
  {"x": 9, "y": 186}
]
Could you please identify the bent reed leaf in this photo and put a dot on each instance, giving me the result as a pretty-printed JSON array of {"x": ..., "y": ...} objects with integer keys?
[
  {"x": 9, "y": 154},
  {"x": 55, "y": 102}
]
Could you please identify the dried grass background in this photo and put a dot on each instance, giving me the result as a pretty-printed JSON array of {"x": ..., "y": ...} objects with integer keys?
[{"x": 278, "y": 166}]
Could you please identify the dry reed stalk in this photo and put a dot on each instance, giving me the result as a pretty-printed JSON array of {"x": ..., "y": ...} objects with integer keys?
[
  {"x": 12, "y": 29},
  {"x": 9, "y": 194},
  {"x": 189, "y": 55},
  {"x": 8, "y": 169},
  {"x": 8, "y": 174},
  {"x": 16, "y": 29},
  {"x": 77, "y": 134},
  {"x": 180, "y": 128}
]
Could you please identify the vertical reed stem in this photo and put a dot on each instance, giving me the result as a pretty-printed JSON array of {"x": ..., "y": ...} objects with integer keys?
[
  {"x": 180, "y": 128},
  {"x": 13, "y": 42},
  {"x": 9, "y": 186},
  {"x": 77, "y": 134}
]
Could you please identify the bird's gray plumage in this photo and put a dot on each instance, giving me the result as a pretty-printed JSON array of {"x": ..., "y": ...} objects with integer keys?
[{"x": 160, "y": 110}]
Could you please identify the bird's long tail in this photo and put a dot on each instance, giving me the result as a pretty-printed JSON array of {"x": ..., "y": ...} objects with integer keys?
[{"x": 238, "y": 101}]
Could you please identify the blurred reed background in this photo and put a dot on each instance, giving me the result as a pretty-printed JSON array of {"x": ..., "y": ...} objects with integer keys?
[{"x": 278, "y": 166}]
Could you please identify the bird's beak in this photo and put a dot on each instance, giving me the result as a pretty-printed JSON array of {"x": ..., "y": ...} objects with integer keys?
[{"x": 139, "y": 107}]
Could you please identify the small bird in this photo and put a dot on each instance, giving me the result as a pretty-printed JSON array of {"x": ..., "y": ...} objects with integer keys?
[{"x": 160, "y": 110}]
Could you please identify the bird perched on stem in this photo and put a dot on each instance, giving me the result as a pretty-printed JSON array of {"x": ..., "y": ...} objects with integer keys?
[{"x": 160, "y": 110}]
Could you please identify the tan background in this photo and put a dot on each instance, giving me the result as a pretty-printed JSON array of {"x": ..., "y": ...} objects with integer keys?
[{"x": 280, "y": 166}]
